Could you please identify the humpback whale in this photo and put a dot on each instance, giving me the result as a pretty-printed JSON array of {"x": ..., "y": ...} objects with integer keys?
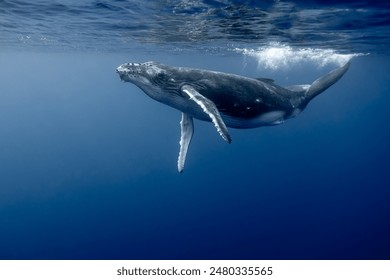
[{"x": 226, "y": 100}]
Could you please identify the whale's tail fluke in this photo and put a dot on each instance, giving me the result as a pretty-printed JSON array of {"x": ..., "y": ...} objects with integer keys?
[
  {"x": 324, "y": 82},
  {"x": 307, "y": 92}
]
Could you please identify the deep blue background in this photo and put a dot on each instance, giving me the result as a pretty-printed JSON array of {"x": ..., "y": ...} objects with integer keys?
[
  {"x": 88, "y": 164},
  {"x": 88, "y": 167}
]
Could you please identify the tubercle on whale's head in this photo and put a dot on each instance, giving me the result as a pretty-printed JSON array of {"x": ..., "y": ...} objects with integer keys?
[{"x": 130, "y": 72}]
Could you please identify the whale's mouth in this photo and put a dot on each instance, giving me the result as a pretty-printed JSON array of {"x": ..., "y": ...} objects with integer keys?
[{"x": 120, "y": 71}]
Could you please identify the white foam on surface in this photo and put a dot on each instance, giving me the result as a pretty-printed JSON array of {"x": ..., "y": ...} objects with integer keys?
[{"x": 279, "y": 56}]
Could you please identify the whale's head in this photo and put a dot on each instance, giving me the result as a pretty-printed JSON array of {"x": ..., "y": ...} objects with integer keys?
[
  {"x": 139, "y": 72},
  {"x": 152, "y": 77}
]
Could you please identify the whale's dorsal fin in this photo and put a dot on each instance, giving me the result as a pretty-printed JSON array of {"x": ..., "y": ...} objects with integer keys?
[
  {"x": 266, "y": 80},
  {"x": 210, "y": 109},
  {"x": 187, "y": 130}
]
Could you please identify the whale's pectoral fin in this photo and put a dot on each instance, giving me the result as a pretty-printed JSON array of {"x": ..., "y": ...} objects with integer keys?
[
  {"x": 187, "y": 130},
  {"x": 210, "y": 109}
]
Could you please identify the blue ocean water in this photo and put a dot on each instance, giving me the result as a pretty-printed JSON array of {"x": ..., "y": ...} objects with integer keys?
[{"x": 88, "y": 163}]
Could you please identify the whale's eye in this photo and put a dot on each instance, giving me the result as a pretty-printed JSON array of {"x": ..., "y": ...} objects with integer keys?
[{"x": 161, "y": 76}]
